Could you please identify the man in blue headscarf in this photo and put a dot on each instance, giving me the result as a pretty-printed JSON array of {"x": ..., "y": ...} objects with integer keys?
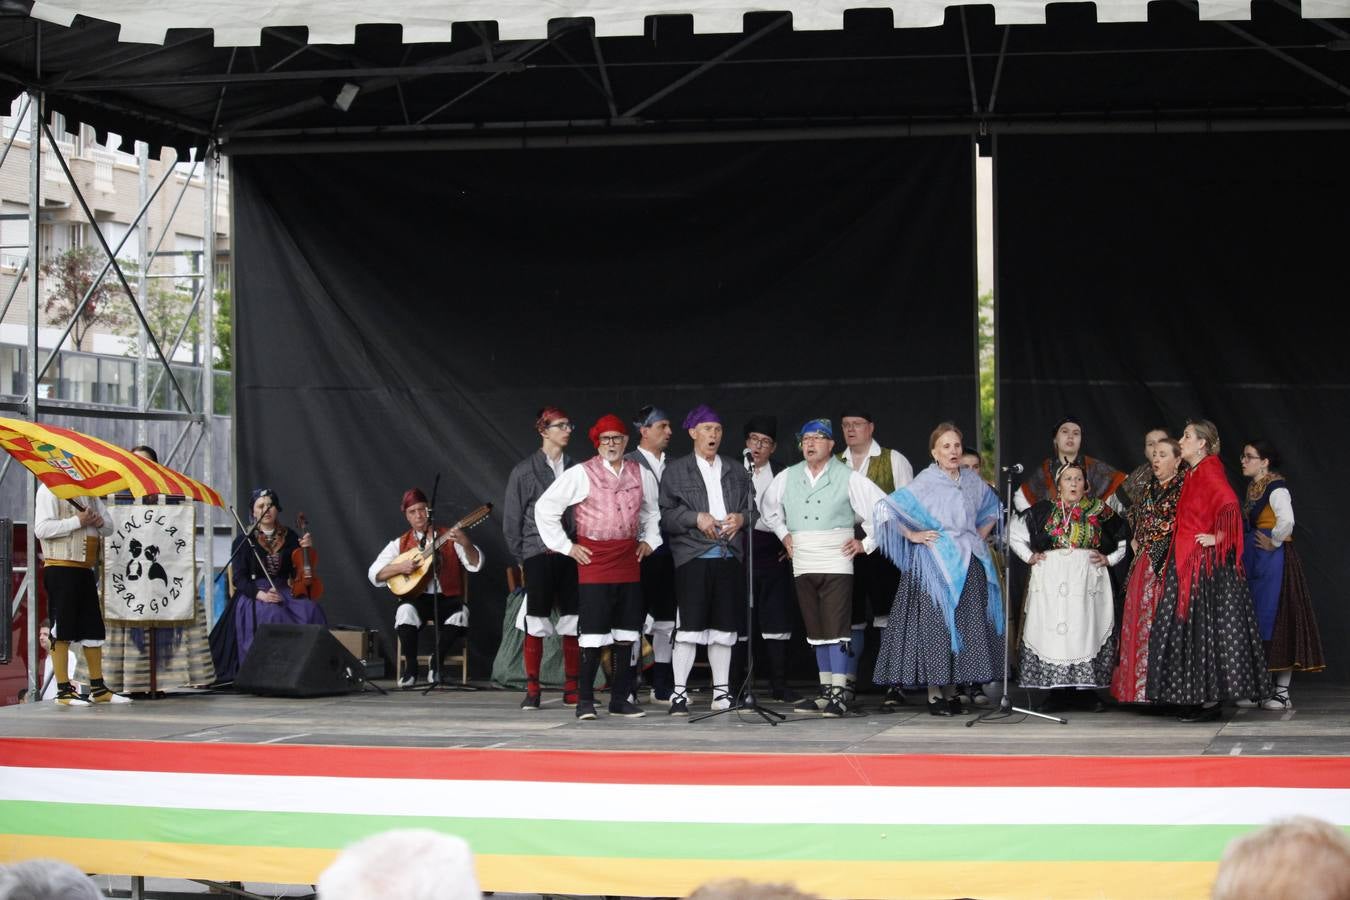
[
  {"x": 813, "y": 508},
  {"x": 658, "y": 570}
]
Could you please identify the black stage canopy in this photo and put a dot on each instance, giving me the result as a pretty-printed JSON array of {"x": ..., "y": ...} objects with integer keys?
[{"x": 1183, "y": 65}]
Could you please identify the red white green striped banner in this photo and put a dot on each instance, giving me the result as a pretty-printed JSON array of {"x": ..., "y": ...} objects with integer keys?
[{"x": 659, "y": 824}]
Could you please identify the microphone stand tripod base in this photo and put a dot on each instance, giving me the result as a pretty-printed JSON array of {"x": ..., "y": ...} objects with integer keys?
[
  {"x": 1006, "y": 709},
  {"x": 746, "y": 701}
]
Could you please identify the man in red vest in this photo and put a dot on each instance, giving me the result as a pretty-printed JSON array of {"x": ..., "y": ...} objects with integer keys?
[
  {"x": 416, "y": 609},
  {"x": 613, "y": 503}
]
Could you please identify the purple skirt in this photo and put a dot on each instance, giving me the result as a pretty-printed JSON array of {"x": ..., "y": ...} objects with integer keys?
[{"x": 250, "y": 613}]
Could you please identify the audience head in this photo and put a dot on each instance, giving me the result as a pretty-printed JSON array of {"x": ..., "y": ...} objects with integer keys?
[
  {"x": 146, "y": 452},
  {"x": 1299, "y": 858},
  {"x": 46, "y": 879},
  {"x": 410, "y": 864},
  {"x": 744, "y": 889}
]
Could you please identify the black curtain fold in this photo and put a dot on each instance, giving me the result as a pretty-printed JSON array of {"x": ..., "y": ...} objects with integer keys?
[{"x": 400, "y": 316}]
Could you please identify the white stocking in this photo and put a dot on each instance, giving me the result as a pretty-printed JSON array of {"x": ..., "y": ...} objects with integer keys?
[{"x": 682, "y": 660}]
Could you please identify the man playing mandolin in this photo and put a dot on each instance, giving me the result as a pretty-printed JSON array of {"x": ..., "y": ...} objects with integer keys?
[{"x": 418, "y": 606}]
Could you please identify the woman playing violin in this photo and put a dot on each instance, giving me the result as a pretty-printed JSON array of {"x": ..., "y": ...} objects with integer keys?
[{"x": 262, "y": 574}]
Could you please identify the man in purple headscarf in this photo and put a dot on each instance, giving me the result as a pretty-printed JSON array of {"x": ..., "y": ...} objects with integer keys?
[{"x": 705, "y": 499}]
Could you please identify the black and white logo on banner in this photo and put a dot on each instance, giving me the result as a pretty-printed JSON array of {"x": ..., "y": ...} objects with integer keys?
[{"x": 148, "y": 565}]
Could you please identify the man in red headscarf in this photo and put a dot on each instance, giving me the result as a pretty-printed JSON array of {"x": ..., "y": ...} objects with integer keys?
[
  {"x": 551, "y": 578},
  {"x": 613, "y": 503},
  {"x": 420, "y": 606}
]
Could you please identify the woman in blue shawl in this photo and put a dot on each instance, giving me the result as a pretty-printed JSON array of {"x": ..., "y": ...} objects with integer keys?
[{"x": 946, "y": 624}]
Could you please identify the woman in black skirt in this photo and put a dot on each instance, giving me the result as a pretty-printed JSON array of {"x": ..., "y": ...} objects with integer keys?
[{"x": 1205, "y": 647}]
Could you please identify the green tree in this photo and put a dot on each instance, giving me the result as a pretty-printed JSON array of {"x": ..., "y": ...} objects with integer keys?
[
  {"x": 69, "y": 276},
  {"x": 986, "y": 346},
  {"x": 224, "y": 334},
  {"x": 166, "y": 307}
]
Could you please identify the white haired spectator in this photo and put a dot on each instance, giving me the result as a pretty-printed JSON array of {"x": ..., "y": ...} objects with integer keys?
[
  {"x": 46, "y": 879},
  {"x": 1300, "y": 858},
  {"x": 410, "y": 864}
]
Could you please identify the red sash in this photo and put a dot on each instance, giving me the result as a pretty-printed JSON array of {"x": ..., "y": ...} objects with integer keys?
[{"x": 612, "y": 562}]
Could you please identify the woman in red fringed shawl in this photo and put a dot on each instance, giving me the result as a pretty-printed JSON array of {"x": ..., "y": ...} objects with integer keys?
[{"x": 1205, "y": 646}]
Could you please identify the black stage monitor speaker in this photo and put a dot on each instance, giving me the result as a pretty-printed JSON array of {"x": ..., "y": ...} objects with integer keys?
[{"x": 298, "y": 661}]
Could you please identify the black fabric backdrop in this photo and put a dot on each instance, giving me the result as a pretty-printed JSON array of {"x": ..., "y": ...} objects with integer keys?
[
  {"x": 1144, "y": 280},
  {"x": 399, "y": 316}
]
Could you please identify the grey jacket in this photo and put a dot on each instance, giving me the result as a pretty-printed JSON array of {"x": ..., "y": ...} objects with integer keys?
[
  {"x": 529, "y": 479},
  {"x": 683, "y": 497}
]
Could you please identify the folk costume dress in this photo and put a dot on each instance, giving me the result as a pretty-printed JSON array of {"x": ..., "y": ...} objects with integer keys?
[
  {"x": 1205, "y": 646},
  {"x": 946, "y": 624},
  {"x": 1279, "y": 588},
  {"x": 248, "y": 612},
  {"x": 1153, "y": 519},
  {"x": 1067, "y": 635}
]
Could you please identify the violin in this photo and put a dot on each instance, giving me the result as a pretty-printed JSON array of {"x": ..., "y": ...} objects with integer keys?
[{"x": 304, "y": 583}]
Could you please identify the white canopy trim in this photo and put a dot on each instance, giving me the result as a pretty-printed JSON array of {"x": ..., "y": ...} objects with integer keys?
[{"x": 239, "y": 22}]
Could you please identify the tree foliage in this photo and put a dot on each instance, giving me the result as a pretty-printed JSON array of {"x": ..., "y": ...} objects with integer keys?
[
  {"x": 986, "y": 345},
  {"x": 69, "y": 276}
]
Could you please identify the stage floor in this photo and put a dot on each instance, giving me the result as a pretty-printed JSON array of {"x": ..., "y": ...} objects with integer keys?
[
  {"x": 490, "y": 719},
  {"x": 229, "y": 786}
]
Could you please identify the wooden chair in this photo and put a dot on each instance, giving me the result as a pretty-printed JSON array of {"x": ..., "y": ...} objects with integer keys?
[{"x": 424, "y": 659}]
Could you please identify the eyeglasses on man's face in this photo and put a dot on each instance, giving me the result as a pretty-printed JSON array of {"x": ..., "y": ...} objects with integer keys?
[
  {"x": 613, "y": 438},
  {"x": 561, "y": 426},
  {"x": 761, "y": 442},
  {"x": 1251, "y": 456}
]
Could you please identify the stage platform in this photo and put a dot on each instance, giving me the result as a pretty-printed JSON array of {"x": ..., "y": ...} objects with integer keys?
[{"x": 236, "y": 787}]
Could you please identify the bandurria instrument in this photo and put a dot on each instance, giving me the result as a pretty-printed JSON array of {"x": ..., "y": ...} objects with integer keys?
[{"x": 403, "y": 585}]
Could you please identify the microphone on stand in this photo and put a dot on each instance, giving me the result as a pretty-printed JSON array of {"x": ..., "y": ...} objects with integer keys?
[
  {"x": 253, "y": 526},
  {"x": 749, "y": 459},
  {"x": 1015, "y": 469}
]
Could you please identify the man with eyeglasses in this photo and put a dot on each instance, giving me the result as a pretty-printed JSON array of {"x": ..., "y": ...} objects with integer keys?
[
  {"x": 874, "y": 578},
  {"x": 703, "y": 501},
  {"x": 614, "y": 507},
  {"x": 550, "y": 578},
  {"x": 772, "y": 569},
  {"x": 813, "y": 507},
  {"x": 658, "y": 570}
]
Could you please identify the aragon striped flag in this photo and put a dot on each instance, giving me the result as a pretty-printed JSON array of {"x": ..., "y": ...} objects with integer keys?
[{"x": 73, "y": 464}]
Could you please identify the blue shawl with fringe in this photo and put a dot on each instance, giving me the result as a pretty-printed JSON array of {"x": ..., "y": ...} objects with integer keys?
[{"x": 956, "y": 510}]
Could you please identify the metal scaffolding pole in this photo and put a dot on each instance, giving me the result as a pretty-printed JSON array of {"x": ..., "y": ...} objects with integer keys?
[
  {"x": 142, "y": 289},
  {"x": 34, "y": 267},
  {"x": 208, "y": 325}
]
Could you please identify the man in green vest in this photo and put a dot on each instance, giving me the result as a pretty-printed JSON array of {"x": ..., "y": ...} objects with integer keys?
[
  {"x": 875, "y": 579},
  {"x": 813, "y": 507}
]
